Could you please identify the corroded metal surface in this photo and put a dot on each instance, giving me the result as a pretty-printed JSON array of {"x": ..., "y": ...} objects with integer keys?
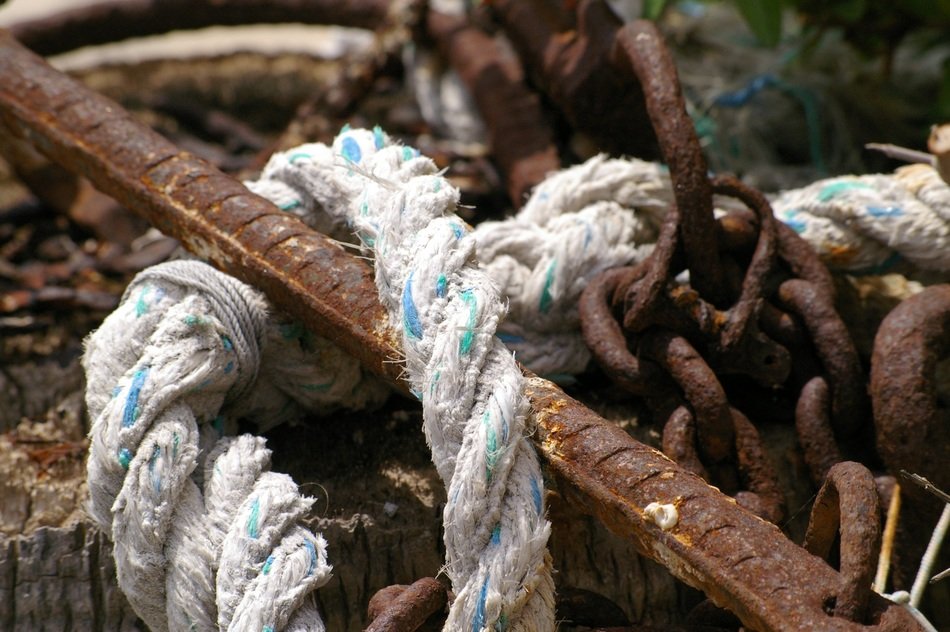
[
  {"x": 568, "y": 54},
  {"x": 912, "y": 425},
  {"x": 847, "y": 506},
  {"x": 913, "y": 429},
  {"x": 520, "y": 139},
  {"x": 640, "y": 45},
  {"x": 740, "y": 561},
  {"x": 406, "y": 608},
  {"x": 213, "y": 215},
  {"x": 739, "y": 313}
]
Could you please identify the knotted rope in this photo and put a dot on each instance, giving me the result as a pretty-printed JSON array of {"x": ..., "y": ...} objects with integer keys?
[{"x": 205, "y": 537}]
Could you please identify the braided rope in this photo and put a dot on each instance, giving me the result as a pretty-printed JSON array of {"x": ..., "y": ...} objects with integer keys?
[
  {"x": 474, "y": 410},
  {"x": 205, "y": 537}
]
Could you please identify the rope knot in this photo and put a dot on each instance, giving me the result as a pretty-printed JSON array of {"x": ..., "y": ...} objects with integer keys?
[{"x": 239, "y": 308}]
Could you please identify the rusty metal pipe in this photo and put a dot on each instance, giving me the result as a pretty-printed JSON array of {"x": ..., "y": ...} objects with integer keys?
[
  {"x": 521, "y": 141},
  {"x": 406, "y": 608},
  {"x": 742, "y": 562}
]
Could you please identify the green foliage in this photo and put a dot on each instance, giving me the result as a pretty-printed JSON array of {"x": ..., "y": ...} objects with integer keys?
[
  {"x": 652, "y": 9},
  {"x": 874, "y": 27},
  {"x": 764, "y": 18}
]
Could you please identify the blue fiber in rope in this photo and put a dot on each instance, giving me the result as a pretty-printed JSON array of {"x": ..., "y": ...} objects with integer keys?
[
  {"x": 298, "y": 156},
  {"x": 885, "y": 211},
  {"x": 546, "y": 299},
  {"x": 536, "y": 495},
  {"x": 351, "y": 150},
  {"x": 156, "y": 480},
  {"x": 252, "y": 527},
  {"x": 267, "y": 564},
  {"x": 491, "y": 446},
  {"x": 141, "y": 306},
  {"x": 131, "y": 411},
  {"x": 313, "y": 556},
  {"x": 410, "y": 316},
  {"x": 125, "y": 457},
  {"x": 479, "y": 621},
  {"x": 441, "y": 285},
  {"x": 465, "y": 344},
  {"x": 378, "y": 139},
  {"x": 834, "y": 189}
]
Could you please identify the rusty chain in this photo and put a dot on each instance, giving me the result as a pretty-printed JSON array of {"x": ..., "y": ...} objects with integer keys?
[
  {"x": 847, "y": 507},
  {"x": 758, "y": 320}
]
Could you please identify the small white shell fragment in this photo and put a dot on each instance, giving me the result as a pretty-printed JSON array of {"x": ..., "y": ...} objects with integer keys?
[{"x": 665, "y": 516}]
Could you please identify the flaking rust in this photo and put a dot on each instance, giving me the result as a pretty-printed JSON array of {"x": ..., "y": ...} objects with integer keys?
[
  {"x": 740, "y": 561},
  {"x": 911, "y": 423}
]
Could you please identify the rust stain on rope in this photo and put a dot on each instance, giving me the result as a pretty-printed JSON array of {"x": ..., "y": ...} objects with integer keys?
[{"x": 743, "y": 563}]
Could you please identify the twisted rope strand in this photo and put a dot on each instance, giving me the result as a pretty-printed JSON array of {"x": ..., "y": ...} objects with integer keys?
[
  {"x": 474, "y": 409},
  {"x": 231, "y": 555}
]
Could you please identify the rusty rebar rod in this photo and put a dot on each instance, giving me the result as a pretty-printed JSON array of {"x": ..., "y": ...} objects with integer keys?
[
  {"x": 743, "y": 563},
  {"x": 115, "y": 20},
  {"x": 211, "y": 214},
  {"x": 406, "y": 608},
  {"x": 521, "y": 141},
  {"x": 567, "y": 53}
]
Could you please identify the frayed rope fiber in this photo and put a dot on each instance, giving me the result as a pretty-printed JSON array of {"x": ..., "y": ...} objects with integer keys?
[
  {"x": 206, "y": 538},
  {"x": 474, "y": 409}
]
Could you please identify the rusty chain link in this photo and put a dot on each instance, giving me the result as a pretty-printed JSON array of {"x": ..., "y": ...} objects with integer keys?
[
  {"x": 847, "y": 507},
  {"x": 757, "y": 301}
]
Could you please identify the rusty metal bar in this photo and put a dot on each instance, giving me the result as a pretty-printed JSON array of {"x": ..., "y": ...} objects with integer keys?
[
  {"x": 520, "y": 139},
  {"x": 116, "y": 20},
  {"x": 742, "y": 562},
  {"x": 567, "y": 54},
  {"x": 406, "y": 608},
  {"x": 213, "y": 215}
]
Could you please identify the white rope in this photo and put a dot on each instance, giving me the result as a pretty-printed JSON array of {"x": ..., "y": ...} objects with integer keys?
[
  {"x": 600, "y": 214},
  {"x": 474, "y": 410},
  {"x": 866, "y": 223},
  {"x": 205, "y": 537}
]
